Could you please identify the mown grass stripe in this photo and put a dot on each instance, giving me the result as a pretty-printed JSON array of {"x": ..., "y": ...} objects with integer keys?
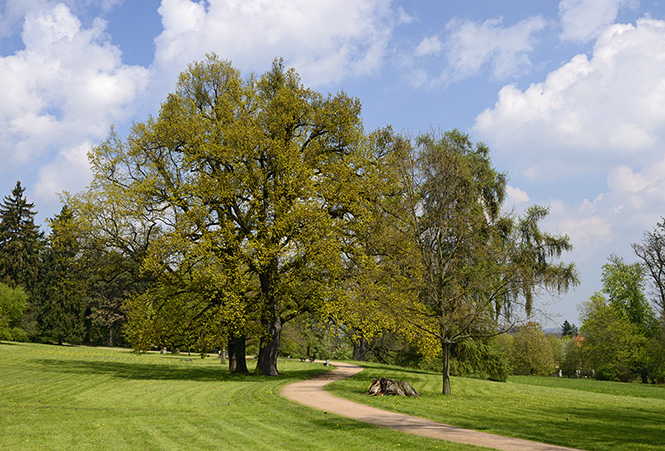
[{"x": 63, "y": 398}]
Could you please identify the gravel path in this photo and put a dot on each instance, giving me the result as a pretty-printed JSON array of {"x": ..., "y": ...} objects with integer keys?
[{"x": 311, "y": 393}]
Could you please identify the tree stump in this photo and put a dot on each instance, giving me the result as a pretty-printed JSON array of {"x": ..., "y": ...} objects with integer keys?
[{"x": 386, "y": 386}]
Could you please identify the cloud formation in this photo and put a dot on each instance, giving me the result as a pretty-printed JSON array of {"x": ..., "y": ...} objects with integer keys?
[
  {"x": 64, "y": 89},
  {"x": 597, "y": 117},
  {"x": 471, "y": 45},
  {"x": 631, "y": 204},
  {"x": 589, "y": 111},
  {"x": 13, "y": 12},
  {"x": 468, "y": 47},
  {"x": 584, "y": 20},
  {"x": 516, "y": 196},
  {"x": 326, "y": 40}
]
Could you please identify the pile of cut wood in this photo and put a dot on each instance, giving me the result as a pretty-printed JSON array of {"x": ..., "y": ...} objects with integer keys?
[{"x": 386, "y": 386}]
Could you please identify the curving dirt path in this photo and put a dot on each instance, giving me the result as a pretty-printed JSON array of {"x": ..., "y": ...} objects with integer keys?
[{"x": 311, "y": 393}]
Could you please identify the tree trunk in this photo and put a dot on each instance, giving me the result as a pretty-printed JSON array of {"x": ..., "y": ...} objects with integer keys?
[
  {"x": 110, "y": 336},
  {"x": 267, "y": 364},
  {"x": 237, "y": 361},
  {"x": 446, "y": 367},
  {"x": 360, "y": 349},
  {"x": 88, "y": 326}
]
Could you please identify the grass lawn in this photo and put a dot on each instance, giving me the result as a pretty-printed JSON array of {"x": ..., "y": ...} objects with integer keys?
[
  {"x": 581, "y": 413},
  {"x": 64, "y": 398}
]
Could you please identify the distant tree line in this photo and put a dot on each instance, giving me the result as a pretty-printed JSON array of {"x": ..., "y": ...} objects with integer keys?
[
  {"x": 62, "y": 287},
  {"x": 622, "y": 336}
]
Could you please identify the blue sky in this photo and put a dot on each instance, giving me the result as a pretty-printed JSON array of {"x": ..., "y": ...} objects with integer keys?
[{"x": 569, "y": 95}]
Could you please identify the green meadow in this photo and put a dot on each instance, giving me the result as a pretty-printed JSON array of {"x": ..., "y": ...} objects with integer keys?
[
  {"x": 64, "y": 398},
  {"x": 579, "y": 413}
]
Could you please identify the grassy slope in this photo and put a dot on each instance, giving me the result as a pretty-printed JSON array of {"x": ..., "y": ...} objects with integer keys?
[
  {"x": 63, "y": 398},
  {"x": 581, "y": 413}
]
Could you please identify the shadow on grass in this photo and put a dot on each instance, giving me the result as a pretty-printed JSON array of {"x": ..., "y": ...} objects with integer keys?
[
  {"x": 9, "y": 343},
  {"x": 186, "y": 371},
  {"x": 594, "y": 428},
  {"x": 620, "y": 428},
  {"x": 637, "y": 390},
  {"x": 384, "y": 367},
  {"x": 618, "y": 425}
]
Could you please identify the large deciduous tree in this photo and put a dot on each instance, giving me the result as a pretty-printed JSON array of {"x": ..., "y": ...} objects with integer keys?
[
  {"x": 623, "y": 284},
  {"x": 651, "y": 251},
  {"x": 237, "y": 196},
  {"x": 379, "y": 257},
  {"x": 621, "y": 338},
  {"x": 613, "y": 346}
]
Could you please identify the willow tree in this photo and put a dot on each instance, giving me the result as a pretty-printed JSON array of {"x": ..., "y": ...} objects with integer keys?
[
  {"x": 238, "y": 192},
  {"x": 479, "y": 267}
]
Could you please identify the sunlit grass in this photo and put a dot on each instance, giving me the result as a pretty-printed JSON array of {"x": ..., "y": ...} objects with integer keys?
[
  {"x": 579, "y": 413},
  {"x": 64, "y": 398}
]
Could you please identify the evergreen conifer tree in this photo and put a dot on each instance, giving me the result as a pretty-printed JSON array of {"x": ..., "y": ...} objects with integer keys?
[
  {"x": 20, "y": 240},
  {"x": 62, "y": 284}
]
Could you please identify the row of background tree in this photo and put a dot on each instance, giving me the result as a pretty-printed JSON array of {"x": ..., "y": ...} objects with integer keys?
[
  {"x": 61, "y": 287},
  {"x": 64, "y": 289},
  {"x": 250, "y": 209}
]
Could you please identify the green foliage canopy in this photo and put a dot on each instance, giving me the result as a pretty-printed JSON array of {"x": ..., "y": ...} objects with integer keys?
[
  {"x": 624, "y": 286},
  {"x": 531, "y": 352},
  {"x": 13, "y": 302},
  {"x": 613, "y": 346},
  {"x": 62, "y": 288},
  {"x": 236, "y": 197}
]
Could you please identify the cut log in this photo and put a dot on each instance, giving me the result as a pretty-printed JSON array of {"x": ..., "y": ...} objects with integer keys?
[{"x": 386, "y": 386}]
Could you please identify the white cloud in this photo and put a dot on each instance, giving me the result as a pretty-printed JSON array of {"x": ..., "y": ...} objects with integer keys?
[
  {"x": 429, "y": 46},
  {"x": 42, "y": 29},
  {"x": 68, "y": 172},
  {"x": 631, "y": 204},
  {"x": 62, "y": 92},
  {"x": 587, "y": 228},
  {"x": 640, "y": 194},
  {"x": 471, "y": 45},
  {"x": 325, "y": 40},
  {"x": 516, "y": 196},
  {"x": 589, "y": 113},
  {"x": 583, "y": 20},
  {"x": 403, "y": 18},
  {"x": 597, "y": 117},
  {"x": 69, "y": 82},
  {"x": 13, "y": 12},
  {"x": 622, "y": 179}
]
